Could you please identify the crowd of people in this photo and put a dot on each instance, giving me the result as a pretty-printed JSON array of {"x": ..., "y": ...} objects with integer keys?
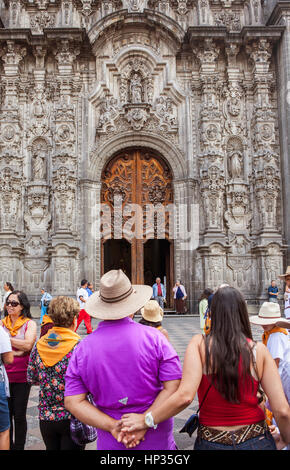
[{"x": 132, "y": 392}]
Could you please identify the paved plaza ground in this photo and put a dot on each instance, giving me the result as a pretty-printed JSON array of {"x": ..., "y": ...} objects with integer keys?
[{"x": 181, "y": 329}]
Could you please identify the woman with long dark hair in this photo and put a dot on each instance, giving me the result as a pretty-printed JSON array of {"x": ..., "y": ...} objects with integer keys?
[
  {"x": 225, "y": 369},
  {"x": 22, "y": 332}
]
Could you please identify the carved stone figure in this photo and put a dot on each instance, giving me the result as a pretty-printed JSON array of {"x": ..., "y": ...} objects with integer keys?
[
  {"x": 136, "y": 89},
  {"x": 236, "y": 165},
  {"x": 38, "y": 163}
]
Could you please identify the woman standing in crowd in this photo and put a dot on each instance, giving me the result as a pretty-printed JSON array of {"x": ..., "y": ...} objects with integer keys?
[
  {"x": 22, "y": 331},
  {"x": 152, "y": 315},
  {"x": 179, "y": 297},
  {"x": 225, "y": 368},
  {"x": 6, "y": 357},
  {"x": 47, "y": 367},
  {"x": 124, "y": 365},
  {"x": 44, "y": 303},
  {"x": 8, "y": 290},
  {"x": 203, "y": 304}
]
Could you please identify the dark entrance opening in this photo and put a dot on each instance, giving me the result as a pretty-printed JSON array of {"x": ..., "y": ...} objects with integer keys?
[
  {"x": 117, "y": 255},
  {"x": 157, "y": 258}
]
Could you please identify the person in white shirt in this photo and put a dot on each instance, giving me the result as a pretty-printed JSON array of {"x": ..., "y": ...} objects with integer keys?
[
  {"x": 275, "y": 336},
  {"x": 277, "y": 341},
  {"x": 82, "y": 297},
  {"x": 6, "y": 357},
  {"x": 286, "y": 277}
]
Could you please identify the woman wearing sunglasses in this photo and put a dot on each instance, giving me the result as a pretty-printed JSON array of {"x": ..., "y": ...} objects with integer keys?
[{"x": 22, "y": 332}]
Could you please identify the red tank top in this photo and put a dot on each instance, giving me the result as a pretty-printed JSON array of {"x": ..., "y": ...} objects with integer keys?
[{"x": 216, "y": 411}]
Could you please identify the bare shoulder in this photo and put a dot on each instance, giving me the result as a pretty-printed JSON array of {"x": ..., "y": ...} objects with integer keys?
[
  {"x": 261, "y": 348},
  {"x": 197, "y": 341},
  {"x": 32, "y": 325}
]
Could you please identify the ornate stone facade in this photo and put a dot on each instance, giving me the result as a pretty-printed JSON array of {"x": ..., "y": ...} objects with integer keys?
[{"x": 194, "y": 81}]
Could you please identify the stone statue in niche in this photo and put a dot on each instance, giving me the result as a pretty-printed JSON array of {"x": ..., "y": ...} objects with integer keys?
[
  {"x": 39, "y": 161},
  {"x": 38, "y": 167},
  {"x": 236, "y": 164},
  {"x": 136, "y": 89}
]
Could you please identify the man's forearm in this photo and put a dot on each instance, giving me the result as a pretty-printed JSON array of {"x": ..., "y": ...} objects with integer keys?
[{"x": 87, "y": 413}]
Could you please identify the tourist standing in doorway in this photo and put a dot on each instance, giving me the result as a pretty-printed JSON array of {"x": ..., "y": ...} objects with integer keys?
[
  {"x": 159, "y": 292},
  {"x": 22, "y": 332},
  {"x": 273, "y": 292},
  {"x": 82, "y": 297},
  {"x": 286, "y": 277},
  {"x": 179, "y": 297}
]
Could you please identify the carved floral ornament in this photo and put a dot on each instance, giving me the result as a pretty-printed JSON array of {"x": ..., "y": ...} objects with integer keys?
[
  {"x": 229, "y": 19},
  {"x": 13, "y": 53},
  {"x": 42, "y": 20}
]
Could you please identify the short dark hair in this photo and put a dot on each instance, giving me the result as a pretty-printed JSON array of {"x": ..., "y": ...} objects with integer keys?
[
  {"x": 23, "y": 300},
  {"x": 8, "y": 284},
  {"x": 205, "y": 295},
  {"x": 84, "y": 281}
]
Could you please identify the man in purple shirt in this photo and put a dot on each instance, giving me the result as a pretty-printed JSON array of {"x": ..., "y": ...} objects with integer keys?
[{"x": 126, "y": 366}]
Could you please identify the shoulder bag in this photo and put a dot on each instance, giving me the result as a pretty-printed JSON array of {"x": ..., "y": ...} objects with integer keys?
[
  {"x": 193, "y": 422},
  {"x": 82, "y": 433}
]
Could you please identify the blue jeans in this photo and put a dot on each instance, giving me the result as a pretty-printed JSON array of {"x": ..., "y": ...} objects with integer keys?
[
  {"x": 42, "y": 313},
  {"x": 160, "y": 301},
  {"x": 263, "y": 442},
  {"x": 4, "y": 410}
]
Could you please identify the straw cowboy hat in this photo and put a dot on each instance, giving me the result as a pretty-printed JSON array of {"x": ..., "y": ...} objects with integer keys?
[
  {"x": 269, "y": 314},
  {"x": 117, "y": 297},
  {"x": 152, "y": 311},
  {"x": 282, "y": 276}
]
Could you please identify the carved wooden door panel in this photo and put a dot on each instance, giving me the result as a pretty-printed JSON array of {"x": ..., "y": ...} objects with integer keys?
[{"x": 137, "y": 177}]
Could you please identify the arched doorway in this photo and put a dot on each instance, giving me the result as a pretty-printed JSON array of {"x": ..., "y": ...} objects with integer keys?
[{"x": 142, "y": 178}]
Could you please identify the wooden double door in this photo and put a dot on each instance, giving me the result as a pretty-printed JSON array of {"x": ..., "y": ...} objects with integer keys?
[{"x": 143, "y": 179}]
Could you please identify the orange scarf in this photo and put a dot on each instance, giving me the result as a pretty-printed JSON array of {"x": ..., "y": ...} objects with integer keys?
[
  {"x": 13, "y": 330},
  {"x": 275, "y": 329},
  {"x": 56, "y": 344},
  {"x": 46, "y": 319},
  {"x": 207, "y": 325}
]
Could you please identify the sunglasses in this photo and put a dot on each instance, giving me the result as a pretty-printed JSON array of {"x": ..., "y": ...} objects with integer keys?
[{"x": 13, "y": 303}]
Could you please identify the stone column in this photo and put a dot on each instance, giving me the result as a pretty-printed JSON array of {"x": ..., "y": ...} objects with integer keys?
[
  {"x": 281, "y": 16},
  {"x": 11, "y": 163}
]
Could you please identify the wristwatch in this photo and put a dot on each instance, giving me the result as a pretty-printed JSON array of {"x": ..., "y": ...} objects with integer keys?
[{"x": 149, "y": 421}]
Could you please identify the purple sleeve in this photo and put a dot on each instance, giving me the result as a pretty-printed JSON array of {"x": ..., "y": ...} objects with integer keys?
[
  {"x": 169, "y": 363},
  {"x": 74, "y": 384}
]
